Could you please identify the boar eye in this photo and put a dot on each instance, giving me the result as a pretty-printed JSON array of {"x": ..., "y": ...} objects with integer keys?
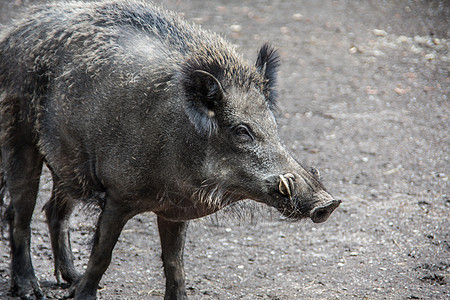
[{"x": 242, "y": 130}]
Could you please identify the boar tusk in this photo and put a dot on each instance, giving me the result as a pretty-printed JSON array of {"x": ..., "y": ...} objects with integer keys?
[
  {"x": 284, "y": 186},
  {"x": 289, "y": 175}
]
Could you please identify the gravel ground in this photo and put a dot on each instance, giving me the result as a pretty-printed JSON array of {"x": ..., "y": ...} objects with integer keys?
[{"x": 364, "y": 97}]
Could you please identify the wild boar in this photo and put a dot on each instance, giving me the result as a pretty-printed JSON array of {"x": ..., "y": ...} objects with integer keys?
[{"x": 136, "y": 110}]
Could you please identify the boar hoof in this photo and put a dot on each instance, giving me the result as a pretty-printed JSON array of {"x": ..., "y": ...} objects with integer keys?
[
  {"x": 26, "y": 288},
  {"x": 320, "y": 214}
]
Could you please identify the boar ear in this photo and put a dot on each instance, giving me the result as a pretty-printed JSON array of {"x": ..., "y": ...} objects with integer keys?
[
  {"x": 267, "y": 64},
  {"x": 204, "y": 93}
]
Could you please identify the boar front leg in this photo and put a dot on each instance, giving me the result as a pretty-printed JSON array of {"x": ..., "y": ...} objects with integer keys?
[
  {"x": 113, "y": 218},
  {"x": 173, "y": 236}
]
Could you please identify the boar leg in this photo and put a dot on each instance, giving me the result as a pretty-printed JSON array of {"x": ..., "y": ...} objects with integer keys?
[
  {"x": 58, "y": 210},
  {"x": 111, "y": 221},
  {"x": 22, "y": 165},
  {"x": 173, "y": 235}
]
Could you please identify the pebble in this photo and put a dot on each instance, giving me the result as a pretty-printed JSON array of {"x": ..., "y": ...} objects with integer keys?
[
  {"x": 379, "y": 32},
  {"x": 401, "y": 91},
  {"x": 297, "y": 17},
  {"x": 403, "y": 39},
  {"x": 415, "y": 49},
  {"x": 437, "y": 41},
  {"x": 420, "y": 39},
  {"x": 378, "y": 53},
  {"x": 442, "y": 176},
  {"x": 236, "y": 28},
  {"x": 430, "y": 56}
]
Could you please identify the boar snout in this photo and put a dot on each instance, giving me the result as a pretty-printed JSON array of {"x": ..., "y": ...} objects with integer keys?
[
  {"x": 321, "y": 213},
  {"x": 302, "y": 196}
]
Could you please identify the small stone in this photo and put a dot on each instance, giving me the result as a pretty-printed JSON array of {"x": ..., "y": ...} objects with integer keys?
[
  {"x": 371, "y": 91},
  {"x": 437, "y": 41},
  {"x": 442, "y": 176},
  {"x": 430, "y": 56},
  {"x": 236, "y": 28},
  {"x": 353, "y": 50},
  {"x": 415, "y": 49},
  {"x": 402, "y": 91},
  {"x": 379, "y": 32},
  {"x": 421, "y": 39},
  {"x": 354, "y": 253},
  {"x": 378, "y": 53},
  {"x": 403, "y": 39},
  {"x": 297, "y": 17}
]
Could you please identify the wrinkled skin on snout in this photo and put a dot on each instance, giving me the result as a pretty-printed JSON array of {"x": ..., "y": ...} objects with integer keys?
[{"x": 133, "y": 109}]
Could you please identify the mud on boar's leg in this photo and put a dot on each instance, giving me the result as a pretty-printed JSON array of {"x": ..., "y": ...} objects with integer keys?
[{"x": 173, "y": 236}]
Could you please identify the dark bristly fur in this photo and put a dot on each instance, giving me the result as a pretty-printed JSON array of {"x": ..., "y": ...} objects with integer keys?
[{"x": 133, "y": 109}]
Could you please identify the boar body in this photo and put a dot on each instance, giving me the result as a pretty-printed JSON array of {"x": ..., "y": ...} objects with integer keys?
[{"x": 136, "y": 110}]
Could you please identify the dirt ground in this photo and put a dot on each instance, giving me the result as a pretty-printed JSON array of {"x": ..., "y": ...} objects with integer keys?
[{"x": 364, "y": 97}]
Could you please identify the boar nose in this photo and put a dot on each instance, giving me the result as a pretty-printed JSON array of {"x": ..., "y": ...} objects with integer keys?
[{"x": 321, "y": 213}]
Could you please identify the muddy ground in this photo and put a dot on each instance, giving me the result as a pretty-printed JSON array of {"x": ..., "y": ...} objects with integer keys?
[{"x": 364, "y": 97}]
